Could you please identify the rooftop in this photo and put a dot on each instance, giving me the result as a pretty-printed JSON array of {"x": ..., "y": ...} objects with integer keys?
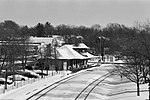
[{"x": 45, "y": 40}]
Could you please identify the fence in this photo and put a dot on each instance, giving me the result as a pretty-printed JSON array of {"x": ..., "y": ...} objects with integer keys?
[{"x": 18, "y": 84}]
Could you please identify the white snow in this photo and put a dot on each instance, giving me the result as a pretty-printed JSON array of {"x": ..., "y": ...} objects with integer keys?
[
  {"x": 109, "y": 91},
  {"x": 29, "y": 89}
]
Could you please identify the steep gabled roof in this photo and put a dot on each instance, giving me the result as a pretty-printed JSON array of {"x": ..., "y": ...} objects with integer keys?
[{"x": 67, "y": 52}]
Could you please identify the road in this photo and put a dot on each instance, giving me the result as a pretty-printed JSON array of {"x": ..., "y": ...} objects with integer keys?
[{"x": 95, "y": 84}]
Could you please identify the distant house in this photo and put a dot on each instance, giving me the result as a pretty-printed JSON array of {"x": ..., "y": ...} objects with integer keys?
[
  {"x": 43, "y": 45},
  {"x": 42, "y": 42}
]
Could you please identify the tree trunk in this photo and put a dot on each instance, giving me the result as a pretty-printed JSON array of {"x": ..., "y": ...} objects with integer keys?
[
  {"x": 5, "y": 80},
  {"x": 23, "y": 65},
  {"x": 137, "y": 82},
  {"x": 138, "y": 88},
  {"x": 13, "y": 75},
  {"x": 56, "y": 67},
  {"x": 42, "y": 72}
]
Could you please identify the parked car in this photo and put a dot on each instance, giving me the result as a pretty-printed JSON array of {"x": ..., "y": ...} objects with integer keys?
[
  {"x": 17, "y": 77},
  {"x": 32, "y": 73},
  {"x": 40, "y": 73},
  {"x": 26, "y": 74},
  {"x": 3, "y": 80}
]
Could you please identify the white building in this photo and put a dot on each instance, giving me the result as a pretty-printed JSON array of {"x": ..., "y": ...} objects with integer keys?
[{"x": 74, "y": 56}]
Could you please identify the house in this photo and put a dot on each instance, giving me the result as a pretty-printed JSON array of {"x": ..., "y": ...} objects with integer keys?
[
  {"x": 42, "y": 43},
  {"x": 41, "y": 46}
]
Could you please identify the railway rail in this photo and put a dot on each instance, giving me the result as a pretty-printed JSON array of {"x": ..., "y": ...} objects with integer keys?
[
  {"x": 47, "y": 89},
  {"x": 90, "y": 87}
]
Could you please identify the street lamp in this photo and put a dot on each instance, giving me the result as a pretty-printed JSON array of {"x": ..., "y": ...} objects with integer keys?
[
  {"x": 102, "y": 49},
  {"x": 100, "y": 40}
]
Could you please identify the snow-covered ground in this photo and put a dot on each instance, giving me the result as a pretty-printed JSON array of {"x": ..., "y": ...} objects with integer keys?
[
  {"x": 25, "y": 89},
  {"x": 129, "y": 92},
  {"x": 122, "y": 91}
]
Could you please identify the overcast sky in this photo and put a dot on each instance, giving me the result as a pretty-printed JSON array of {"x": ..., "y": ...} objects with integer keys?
[{"x": 75, "y": 12}]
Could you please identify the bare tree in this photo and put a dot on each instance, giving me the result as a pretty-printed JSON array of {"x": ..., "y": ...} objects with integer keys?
[
  {"x": 137, "y": 53},
  {"x": 132, "y": 70},
  {"x": 24, "y": 51},
  {"x": 9, "y": 54}
]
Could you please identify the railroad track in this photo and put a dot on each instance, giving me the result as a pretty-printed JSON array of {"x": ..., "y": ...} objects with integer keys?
[
  {"x": 89, "y": 88},
  {"x": 47, "y": 89}
]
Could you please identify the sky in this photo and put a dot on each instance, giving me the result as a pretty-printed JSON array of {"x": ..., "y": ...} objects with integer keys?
[{"x": 75, "y": 12}]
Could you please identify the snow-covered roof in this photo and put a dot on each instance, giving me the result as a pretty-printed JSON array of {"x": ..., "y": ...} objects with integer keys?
[
  {"x": 67, "y": 52},
  {"x": 81, "y": 45},
  {"x": 45, "y": 40},
  {"x": 89, "y": 55}
]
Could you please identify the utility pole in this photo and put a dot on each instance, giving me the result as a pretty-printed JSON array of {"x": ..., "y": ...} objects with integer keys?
[
  {"x": 102, "y": 45},
  {"x": 101, "y": 48},
  {"x": 149, "y": 79}
]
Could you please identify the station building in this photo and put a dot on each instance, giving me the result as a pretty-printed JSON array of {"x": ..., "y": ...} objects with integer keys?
[{"x": 64, "y": 56}]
